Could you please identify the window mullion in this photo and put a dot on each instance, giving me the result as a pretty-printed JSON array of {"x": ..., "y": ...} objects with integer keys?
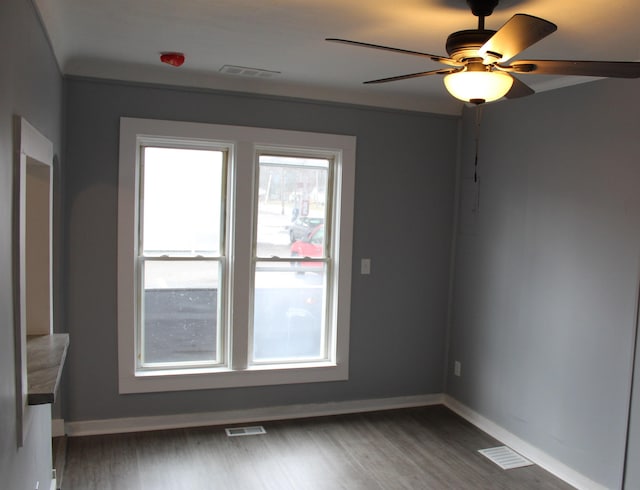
[{"x": 241, "y": 261}]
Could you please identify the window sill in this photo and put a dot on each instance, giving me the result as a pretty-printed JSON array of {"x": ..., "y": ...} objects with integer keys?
[
  {"x": 142, "y": 373},
  {"x": 200, "y": 379},
  {"x": 45, "y": 358}
]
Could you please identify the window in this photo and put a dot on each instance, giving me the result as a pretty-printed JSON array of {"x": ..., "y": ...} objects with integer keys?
[
  {"x": 180, "y": 258},
  {"x": 234, "y": 256},
  {"x": 292, "y": 287}
]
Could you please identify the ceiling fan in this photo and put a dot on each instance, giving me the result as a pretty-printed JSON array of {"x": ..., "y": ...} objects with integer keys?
[{"x": 478, "y": 67}]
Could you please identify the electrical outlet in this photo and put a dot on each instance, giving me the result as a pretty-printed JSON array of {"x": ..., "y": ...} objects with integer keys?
[
  {"x": 457, "y": 368},
  {"x": 365, "y": 266}
]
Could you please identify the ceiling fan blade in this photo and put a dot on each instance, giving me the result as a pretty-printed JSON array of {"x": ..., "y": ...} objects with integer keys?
[
  {"x": 444, "y": 71},
  {"x": 519, "y": 89},
  {"x": 610, "y": 69},
  {"x": 520, "y": 32},
  {"x": 434, "y": 57}
]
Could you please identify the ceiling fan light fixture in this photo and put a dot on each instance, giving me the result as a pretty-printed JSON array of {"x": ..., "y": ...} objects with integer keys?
[{"x": 478, "y": 87}]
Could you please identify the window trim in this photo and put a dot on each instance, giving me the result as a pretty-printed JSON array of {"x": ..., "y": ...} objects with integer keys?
[{"x": 246, "y": 141}]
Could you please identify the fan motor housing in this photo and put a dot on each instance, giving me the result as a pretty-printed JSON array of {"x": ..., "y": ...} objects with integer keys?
[
  {"x": 482, "y": 8},
  {"x": 463, "y": 45}
]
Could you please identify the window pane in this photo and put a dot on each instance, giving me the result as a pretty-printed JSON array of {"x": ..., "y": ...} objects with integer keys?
[
  {"x": 289, "y": 312},
  {"x": 181, "y": 203},
  {"x": 292, "y": 199},
  {"x": 180, "y": 311}
]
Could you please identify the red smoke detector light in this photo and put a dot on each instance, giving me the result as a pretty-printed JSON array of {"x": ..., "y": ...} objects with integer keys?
[{"x": 173, "y": 59}]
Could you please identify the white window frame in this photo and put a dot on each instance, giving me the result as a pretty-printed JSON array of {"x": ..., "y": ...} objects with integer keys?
[
  {"x": 245, "y": 143},
  {"x": 145, "y": 141}
]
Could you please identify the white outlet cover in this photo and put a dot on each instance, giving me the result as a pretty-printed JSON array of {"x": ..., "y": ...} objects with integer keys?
[
  {"x": 457, "y": 368},
  {"x": 365, "y": 266}
]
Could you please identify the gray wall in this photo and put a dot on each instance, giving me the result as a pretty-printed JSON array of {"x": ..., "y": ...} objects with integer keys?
[
  {"x": 546, "y": 281},
  {"x": 30, "y": 86},
  {"x": 405, "y": 176},
  {"x": 632, "y": 476}
]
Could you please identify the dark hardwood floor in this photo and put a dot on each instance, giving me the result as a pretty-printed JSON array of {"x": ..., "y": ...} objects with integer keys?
[{"x": 421, "y": 448}]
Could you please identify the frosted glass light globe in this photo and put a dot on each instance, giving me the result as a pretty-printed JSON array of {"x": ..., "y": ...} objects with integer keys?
[{"x": 478, "y": 86}]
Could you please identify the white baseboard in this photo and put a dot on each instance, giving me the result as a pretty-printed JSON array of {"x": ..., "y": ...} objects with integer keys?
[
  {"x": 54, "y": 481},
  {"x": 542, "y": 459},
  {"x": 161, "y": 422},
  {"x": 177, "y": 421},
  {"x": 57, "y": 428}
]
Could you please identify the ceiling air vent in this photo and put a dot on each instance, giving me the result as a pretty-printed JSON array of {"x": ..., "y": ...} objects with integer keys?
[{"x": 245, "y": 71}]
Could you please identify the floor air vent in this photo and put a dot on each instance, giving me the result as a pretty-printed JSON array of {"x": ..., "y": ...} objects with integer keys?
[
  {"x": 245, "y": 431},
  {"x": 505, "y": 457}
]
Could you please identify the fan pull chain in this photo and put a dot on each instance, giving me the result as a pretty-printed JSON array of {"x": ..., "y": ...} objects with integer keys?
[
  {"x": 475, "y": 166},
  {"x": 475, "y": 163},
  {"x": 477, "y": 138}
]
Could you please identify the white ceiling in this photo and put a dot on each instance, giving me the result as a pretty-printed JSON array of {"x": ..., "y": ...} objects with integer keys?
[{"x": 123, "y": 39}]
